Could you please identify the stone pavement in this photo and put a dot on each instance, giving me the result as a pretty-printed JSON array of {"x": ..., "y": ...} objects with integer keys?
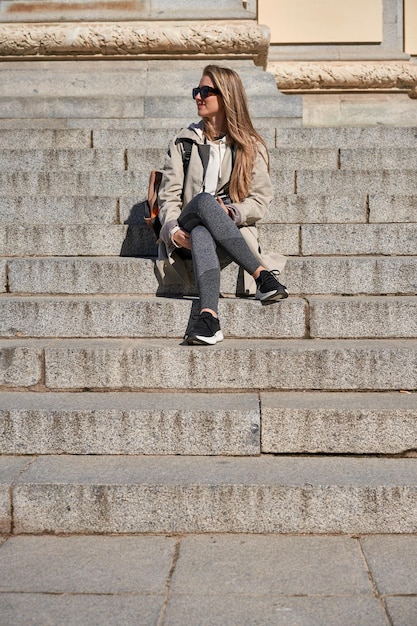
[{"x": 236, "y": 579}]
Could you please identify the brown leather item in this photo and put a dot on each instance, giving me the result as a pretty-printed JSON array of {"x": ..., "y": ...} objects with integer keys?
[{"x": 152, "y": 218}]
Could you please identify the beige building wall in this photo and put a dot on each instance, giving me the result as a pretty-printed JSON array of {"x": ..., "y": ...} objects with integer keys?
[
  {"x": 410, "y": 26},
  {"x": 323, "y": 21}
]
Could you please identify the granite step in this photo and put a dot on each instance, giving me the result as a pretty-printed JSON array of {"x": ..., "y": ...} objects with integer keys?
[
  {"x": 237, "y": 424},
  {"x": 132, "y": 316},
  {"x": 325, "y": 317},
  {"x": 347, "y": 137},
  {"x": 138, "y": 240},
  {"x": 135, "y": 182},
  {"x": 285, "y": 209},
  {"x": 368, "y": 275},
  {"x": 161, "y": 494},
  {"x": 233, "y": 365},
  {"x": 88, "y": 158},
  {"x": 130, "y": 423}
]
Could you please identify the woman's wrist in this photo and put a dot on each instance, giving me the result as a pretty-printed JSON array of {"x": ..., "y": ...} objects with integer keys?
[{"x": 172, "y": 232}]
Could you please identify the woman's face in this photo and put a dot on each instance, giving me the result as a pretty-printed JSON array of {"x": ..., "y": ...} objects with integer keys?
[{"x": 211, "y": 106}]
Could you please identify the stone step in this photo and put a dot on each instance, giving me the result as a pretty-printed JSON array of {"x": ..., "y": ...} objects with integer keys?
[
  {"x": 133, "y": 316},
  {"x": 39, "y": 138},
  {"x": 79, "y": 160},
  {"x": 128, "y": 240},
  {"x": 368, "y": 181},
  {"x": 130, "y": 423},
  {"x": 70, "y": 209},
  {"x": 235, "y": 364},
  {"x": 126, "y": 275},
  {"x": 388, "y": 157},
  {"x": 338, "y": 423},
  {"x": 130, "y": 316},
  {"x": 366, "y": 317},
  {"x": 356, "y": 239},
  {"x": 62, "y": 182},
  {"x": 124, "y": 495},
  {"x": 285, "y": 208},
  {"x": 153, "y": 132},
  {"x": 135, "y": 183},
  {"x": 124, "y": 89},
  {"x": 146, "y": 158},
  {"x": 347, "y": 137}
]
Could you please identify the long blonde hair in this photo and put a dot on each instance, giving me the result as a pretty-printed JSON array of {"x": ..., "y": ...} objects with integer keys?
[{"x": 240, "y": 131}]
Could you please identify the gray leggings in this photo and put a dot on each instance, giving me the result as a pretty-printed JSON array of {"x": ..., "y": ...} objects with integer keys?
[{"x": 213, "y": 234}]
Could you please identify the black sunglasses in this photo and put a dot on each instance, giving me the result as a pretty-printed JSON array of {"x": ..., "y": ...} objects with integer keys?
[{"x": 204, "y": 91}]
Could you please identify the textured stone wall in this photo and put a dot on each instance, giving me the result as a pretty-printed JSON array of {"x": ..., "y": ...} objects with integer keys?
[
  {"x": 240, "y": 39},
  {"x": 121, "y": 10}
]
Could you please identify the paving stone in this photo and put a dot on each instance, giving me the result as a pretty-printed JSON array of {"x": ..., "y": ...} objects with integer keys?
[
  {"x": 338, "y": 423},
  {"x": 392, "y": 561},
  {"x": 164, "y": 364},
  {"x": 86, "y": 564},
  {"x": 38, "y": 609},
  {"x": 346, "y": 239},
  {"x": 68, "y": 494},
  {"x": 392, "y": 208},
  {"x": 353, "y": 317},
  {"x": 262, "y": 611},
  {"x": 10, "y": 467},
  {"x": 402, "y": 611},
  {"x": 20, "y": 365},
  {"x": 58, "y": 210},
  {"x": 130, "y": 423},
  {"x": 246, "y": 565},
  {"x": 130, "y": 316}
]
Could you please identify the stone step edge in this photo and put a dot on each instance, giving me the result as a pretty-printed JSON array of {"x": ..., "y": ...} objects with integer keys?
[
  {"x": 131, "y": 423},
  {"x": 286, "y": 364},
  {"x": 62, "y": 494}
]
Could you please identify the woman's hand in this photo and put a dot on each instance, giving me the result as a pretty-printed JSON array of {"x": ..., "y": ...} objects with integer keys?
[
  {"x": 182, "y": 239},
  {"x": 222, "y": 204}
]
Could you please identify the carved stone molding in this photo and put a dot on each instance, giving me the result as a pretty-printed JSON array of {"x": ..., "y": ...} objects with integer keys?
[
  {"x": 296, "y": 77},
  {"x": 233, "y": 39}
]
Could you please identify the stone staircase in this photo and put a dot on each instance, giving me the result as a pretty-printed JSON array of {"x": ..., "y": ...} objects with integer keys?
[{"x": 304, "y": 420}]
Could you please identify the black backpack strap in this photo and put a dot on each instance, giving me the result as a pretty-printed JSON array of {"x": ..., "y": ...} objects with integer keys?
[{"x": 188, "y": 146}]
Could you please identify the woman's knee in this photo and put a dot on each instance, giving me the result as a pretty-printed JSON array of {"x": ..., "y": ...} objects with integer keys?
[{"x": 205, "y": 202}]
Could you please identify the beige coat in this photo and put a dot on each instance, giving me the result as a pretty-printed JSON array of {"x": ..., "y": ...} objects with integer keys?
[{"x": 175, "y": 192}]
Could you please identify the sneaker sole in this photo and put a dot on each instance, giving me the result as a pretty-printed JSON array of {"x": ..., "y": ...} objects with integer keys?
[
  {"x": 200, "y": 340},
  {"x": 271, "y": 297}
]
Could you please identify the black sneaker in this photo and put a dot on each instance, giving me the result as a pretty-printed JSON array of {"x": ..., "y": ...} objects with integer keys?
[
  {"x": 205, "y": 331},
  {"x": 268, "y": 289}
]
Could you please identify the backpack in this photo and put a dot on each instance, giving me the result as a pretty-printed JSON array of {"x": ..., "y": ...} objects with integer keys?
[{"x": 155, "y": 177}]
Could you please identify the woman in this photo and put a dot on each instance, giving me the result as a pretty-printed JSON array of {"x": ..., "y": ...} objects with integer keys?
[{"x": 210, "y": 213}]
